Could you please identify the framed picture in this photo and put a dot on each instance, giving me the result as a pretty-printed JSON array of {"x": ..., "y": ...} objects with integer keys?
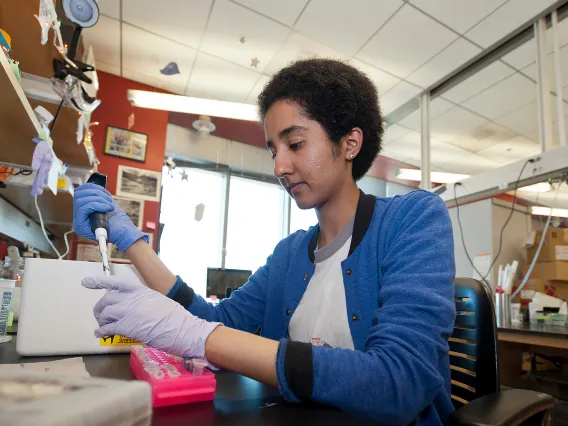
[
  {"x": 138, "y": 184},
  {"x": 134, "y": 209},
  {"x": 88, "y": 252},
  {"x": 125, "y": 143},
  {"x": 116, "y": 256}
]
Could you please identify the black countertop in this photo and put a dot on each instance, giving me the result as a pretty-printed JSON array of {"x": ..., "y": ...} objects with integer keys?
[
  {"x": 536, "y": 330},
  {"x": 238, "y": 400}
]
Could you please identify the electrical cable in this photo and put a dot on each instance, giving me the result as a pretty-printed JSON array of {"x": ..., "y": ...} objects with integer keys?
[
  {"x": 66, "y": 245},
  {"x": 56, "y": 115},
  {"x": 21, "y": 172},
  {"x": 484, "y": 278},
  {"x": 43, "y": 228}
]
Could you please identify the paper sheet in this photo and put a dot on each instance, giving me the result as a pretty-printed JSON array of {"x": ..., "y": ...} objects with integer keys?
[
  {"x": 73, "y": 367},
  {"x": 482, "y": 263}
]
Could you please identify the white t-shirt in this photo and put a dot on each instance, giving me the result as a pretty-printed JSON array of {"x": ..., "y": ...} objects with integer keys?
[{"x": 321, "y": 316}]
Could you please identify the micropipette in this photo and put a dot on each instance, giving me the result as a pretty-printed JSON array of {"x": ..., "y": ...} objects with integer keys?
[{"x": 99, "y": 223}]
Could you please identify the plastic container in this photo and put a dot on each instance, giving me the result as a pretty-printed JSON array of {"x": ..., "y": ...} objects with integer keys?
[
  {"x": 171, "y": 383},
  {"x": 6, "y": 290}
]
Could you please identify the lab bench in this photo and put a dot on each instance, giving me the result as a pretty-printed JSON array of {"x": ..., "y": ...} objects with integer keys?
[{"x": 238, "y": 399}]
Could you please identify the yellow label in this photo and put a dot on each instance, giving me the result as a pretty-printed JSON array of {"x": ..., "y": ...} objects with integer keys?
[{"x": 118, "y": 341}]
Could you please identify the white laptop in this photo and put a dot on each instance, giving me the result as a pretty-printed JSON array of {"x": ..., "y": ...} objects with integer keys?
[{"x": 56, "y": 312}]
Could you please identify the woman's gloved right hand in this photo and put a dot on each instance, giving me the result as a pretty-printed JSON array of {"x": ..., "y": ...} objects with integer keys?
[{"x": 91, "y": 198}]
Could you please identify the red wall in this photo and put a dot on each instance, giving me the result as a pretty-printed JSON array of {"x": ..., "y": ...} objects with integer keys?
[{"x": 114, "y": 111}]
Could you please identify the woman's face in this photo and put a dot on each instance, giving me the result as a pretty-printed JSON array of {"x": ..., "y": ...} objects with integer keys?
[{"x": 307, "y": 163}]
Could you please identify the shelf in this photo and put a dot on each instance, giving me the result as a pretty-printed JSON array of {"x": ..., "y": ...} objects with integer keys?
[{"x": 18, "y": 124}]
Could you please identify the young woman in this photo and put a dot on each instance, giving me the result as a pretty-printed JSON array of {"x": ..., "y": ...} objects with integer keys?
[{"x": 355, "y": 312}]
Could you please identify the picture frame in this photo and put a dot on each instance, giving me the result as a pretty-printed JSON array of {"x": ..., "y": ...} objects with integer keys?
[
  {"x": 117, "y": 256},
  {"x": 138, "y": 184},
  {"x": 134, "y": 209},
  {"x": 126, "y": 144}
]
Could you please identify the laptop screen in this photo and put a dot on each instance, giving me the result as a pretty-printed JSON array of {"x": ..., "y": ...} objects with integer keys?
[{"x": 221, "y": 282}]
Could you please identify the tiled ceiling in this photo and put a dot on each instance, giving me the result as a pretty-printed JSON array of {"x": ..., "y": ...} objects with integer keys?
[{"x": 404, "y": 46}]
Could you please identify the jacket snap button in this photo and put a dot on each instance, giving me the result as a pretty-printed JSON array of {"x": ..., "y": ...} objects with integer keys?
[
  {"x": 355, "y": 318},
  {"x": 349, "y": 272},
  {"x": 288, "y": 312},
  {"x": 306, "y": 276}
]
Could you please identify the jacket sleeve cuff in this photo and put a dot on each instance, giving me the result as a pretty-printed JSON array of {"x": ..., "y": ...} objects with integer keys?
[
  {"x": 181, "y": 293},
  {"x": 294, "y": 368}
]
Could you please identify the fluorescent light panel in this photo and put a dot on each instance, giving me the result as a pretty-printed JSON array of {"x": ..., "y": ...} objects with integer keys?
[
  {"x": 189, "y": 105},
  {"x": 545, "y": 211},
  {"x": 438, "y": 177},
  {"x": 537, "y": 187}
]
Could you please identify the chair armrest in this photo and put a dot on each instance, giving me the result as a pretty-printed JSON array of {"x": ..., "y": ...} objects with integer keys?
[{"x": 511, "y": 407}]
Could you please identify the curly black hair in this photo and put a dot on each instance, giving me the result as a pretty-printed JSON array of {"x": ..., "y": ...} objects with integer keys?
[{"x": 336, "y": 95}]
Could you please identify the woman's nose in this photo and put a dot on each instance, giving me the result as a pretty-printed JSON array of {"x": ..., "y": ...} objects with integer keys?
[{"x": 282, "y": 165}]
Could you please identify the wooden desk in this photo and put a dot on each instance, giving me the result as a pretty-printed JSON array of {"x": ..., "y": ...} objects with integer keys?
[{"x": 536, "y": 335}]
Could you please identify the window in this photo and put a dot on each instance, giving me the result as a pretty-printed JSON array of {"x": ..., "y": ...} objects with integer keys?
[
  {"x": 301, "y": 219},
  {"x": 189, "y": 246},
  {"x": 256, "y": 222}
]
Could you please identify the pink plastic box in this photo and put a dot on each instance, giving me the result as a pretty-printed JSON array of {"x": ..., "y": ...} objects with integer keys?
[{"x": 171, "y": 383}]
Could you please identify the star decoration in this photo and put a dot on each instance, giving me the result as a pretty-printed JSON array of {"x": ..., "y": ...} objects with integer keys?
[
  {"x": 254, "y": 62},
  {"x": 184, "y": 175}
]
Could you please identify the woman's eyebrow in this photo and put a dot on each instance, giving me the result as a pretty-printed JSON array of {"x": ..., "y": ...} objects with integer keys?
[{"x": 285, "y": 132}]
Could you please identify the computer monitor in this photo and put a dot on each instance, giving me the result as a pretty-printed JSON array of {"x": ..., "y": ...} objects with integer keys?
[{"x": 222, "y": 282}]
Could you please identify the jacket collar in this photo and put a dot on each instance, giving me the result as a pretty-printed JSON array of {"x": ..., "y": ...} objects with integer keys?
[{"x": 363, "y": 217}]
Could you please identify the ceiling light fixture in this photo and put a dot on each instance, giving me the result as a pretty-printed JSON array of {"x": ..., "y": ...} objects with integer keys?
[
  {"x": 204, "y": 126},
  {"x": 189, "y": 105},
  {"x": 438, "y": 177},
  {"x": 545, "y": 211}
]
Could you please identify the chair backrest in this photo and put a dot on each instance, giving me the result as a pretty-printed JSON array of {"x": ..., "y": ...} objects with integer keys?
[{"x": 473, "y": 345}]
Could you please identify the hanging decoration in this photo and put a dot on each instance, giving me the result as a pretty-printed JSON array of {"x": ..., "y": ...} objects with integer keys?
[
  {"x": 6, "y": 47},
  {"x": 171, "y": 69}
]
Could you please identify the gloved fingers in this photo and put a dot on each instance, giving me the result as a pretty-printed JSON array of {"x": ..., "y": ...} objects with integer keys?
[
  {"x": 110, "y": 314},
  {"x": 110, "y": 283},
  {"x": 89, "y": 189},
  {"x": 106, "y": 330},
  {"x": 109, "y": 299},
  {"x": 94, "y": 204}
]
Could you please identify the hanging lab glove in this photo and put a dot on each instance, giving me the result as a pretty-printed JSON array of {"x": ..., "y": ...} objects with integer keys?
[{"x": 41, "y": 164}]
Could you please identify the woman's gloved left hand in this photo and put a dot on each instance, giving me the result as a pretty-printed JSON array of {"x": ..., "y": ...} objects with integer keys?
[{"x": 140, "y": 313}]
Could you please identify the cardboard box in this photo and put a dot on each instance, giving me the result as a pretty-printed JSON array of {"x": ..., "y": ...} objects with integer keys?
[
  {"x": 555, "y": 246},
  {"x": 554, "y": 271},
  {"x": 557, "y": 289}
]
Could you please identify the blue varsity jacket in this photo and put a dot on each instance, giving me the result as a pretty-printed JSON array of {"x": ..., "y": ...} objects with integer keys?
[{"x": 399, "y": 290}]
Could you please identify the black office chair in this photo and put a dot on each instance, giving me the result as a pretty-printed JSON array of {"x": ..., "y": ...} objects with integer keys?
[{"x": 475, "y": 368}]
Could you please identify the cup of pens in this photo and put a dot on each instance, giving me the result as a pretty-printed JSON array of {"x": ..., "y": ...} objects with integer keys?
[{"x": 503, "y": 294}]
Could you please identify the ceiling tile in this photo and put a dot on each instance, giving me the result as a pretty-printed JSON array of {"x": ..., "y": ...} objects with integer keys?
[
  {"x": 458, "y": 160},
  {"x": 407, "y": 31},
  {"x": 460, "y": 15},
  {"x": 146, "y": 54},
  {"x": 283, "y": 11},
  {"x": 383, "y": 80},
  {"x": 478, "y": 82},
  {"x": 394, "y": 132},
  {"x": 512, "y": 150},
  {"x": 521, "y": 120},
  {"x": 181, "y": 20},
  {"x": 134, "y": 75},
  {"x": 448, "y": 60},
  {"x": 214, "y": 78},
  {"x": 297, "y": 47},
  {"x": 110, "y": 8},
  {"x": 455, "y": 122},
  {"x": 533, "y": 136},
  {"x": 253, "y": 95},
  {"x": 105, "y": 39},
  {"x": 108, "y": 68},
  {"x": 229, "y": 22},
  {"x": 397, "y": 96},
  {"x": 322, "y": 19},
  {"x": 437, "y": 107},
  {"x": 484, "y": 136},
  {"x": 504, "y": 97},
  {"x": 530, "y": 71},
  {"x": 522, "y": 56},
  {"x": 505, "y": 20},
  {"x": 406, "y": 148}
]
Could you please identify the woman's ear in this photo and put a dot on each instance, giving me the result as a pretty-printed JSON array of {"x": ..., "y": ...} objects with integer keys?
[{"x": 353, "y": 141}]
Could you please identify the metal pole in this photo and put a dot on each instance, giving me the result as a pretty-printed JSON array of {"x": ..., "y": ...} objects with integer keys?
[
  {"x": 226, "y": 218},
  {"x": 425, "y": 141},
  {"x": 558, "y": 75},
  {"x": 543, "y": 88}
]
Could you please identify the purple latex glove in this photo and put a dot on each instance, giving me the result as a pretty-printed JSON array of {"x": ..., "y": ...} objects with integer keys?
[
  {"x": 140, "y": 313},
  {"x": 41, "y": 164}
]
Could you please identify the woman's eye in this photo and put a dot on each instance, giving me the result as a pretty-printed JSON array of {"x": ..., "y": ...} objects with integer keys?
[
  {"x": 296, "y": 146},
  {"x": 273, "y": 155}
]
